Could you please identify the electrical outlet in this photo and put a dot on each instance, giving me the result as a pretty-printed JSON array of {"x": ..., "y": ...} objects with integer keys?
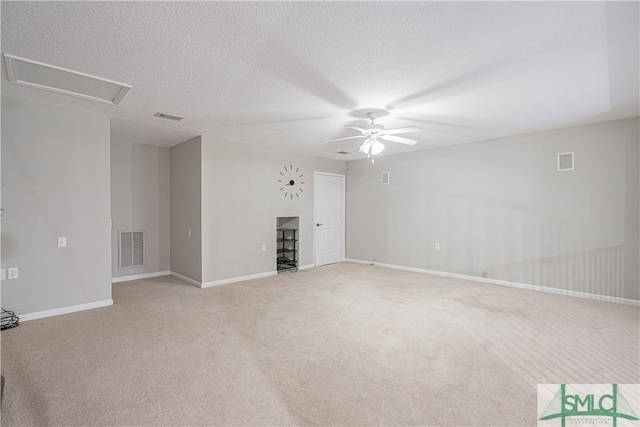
[
  {"x": 3, "y": 274},
  {"x": 189, "y": 232},
  {"x": 437, "y": 246},
  {"x": 13, "y": 273},
  {"x": 62, "y": 242},
  {"x": 264, "y": 247}
]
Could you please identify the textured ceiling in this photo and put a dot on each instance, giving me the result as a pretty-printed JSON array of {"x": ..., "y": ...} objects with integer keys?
[{"x": 289, "y": 75}]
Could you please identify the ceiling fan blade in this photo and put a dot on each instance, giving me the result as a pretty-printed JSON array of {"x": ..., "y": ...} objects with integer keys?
[
  {"x": 399, "y": 139},
  {"x": 342, "y": 139},
  {"x": 356, "y": 128},
  {"x": 400, "y": 130}
]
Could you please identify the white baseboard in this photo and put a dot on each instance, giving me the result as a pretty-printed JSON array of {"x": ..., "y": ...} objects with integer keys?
[
  {"x": 566, "y": 292},
  {"x": 139, "y": 276},
  {"x": 238, "y": 279},
  {"x": 306, "y": 267},
  {"x": 64, "y": 310},
  {"x": 186, "y": 279}
]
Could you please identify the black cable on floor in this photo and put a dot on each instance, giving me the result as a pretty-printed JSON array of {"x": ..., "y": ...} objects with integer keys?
[{"x": 9, "y": 319}]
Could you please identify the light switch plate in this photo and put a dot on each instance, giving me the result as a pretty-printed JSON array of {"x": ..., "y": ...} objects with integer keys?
[{"x": 62, "y": 242}]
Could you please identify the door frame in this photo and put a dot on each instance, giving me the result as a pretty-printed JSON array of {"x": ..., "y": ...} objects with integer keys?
[{"x": 344, "y": 209}]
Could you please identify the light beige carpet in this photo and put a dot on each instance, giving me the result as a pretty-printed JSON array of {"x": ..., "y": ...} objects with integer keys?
[{"x": 344, "y": 344}]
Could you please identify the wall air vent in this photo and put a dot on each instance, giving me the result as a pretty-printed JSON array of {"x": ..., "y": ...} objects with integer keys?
[
  {"x": 169, "y": 116},
  {"x": 131, "y": 249},
  {"x": 25, "y": 72},
  {"x": 565, "y": 161},
  {"x": 386, "y": 177},
  {"x": 342, "y": 152}
]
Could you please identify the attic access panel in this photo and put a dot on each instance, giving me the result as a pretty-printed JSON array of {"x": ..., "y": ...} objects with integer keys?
[{"x": 38, "y": 75}]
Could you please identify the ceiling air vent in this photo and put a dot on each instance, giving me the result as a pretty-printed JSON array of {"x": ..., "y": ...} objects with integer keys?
[
  {"x": 169, "y": 116},
  {"x": 25, "y": 72}
]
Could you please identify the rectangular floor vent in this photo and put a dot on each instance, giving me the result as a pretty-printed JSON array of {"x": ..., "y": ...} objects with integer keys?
[{"x": 131, "y": 249}]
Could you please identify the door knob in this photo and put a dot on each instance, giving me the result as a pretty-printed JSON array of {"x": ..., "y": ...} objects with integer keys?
[{"x": 318, "y": 224}]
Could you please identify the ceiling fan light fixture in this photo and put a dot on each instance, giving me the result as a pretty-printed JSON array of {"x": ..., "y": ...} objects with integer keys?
[
  {"x": 372, "y": 146},
  {"x": 366, "y": 145},
  {"x": 373, "y": 132}
]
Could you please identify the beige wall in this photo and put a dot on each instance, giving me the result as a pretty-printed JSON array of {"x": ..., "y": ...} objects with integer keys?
[
  {"x": 55, "y": 183},
  {"x": 140, "y": 201},
  {"x": 500, "y": 209},
  {"x": 186, "y": 209},
  {"x": 241, "y": 201}
]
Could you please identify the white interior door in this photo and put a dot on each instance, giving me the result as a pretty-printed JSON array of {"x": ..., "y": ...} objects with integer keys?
[{"x": 329, "y": 217}]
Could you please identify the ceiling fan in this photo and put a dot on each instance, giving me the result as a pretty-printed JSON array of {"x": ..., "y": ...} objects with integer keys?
[{"x": 373, "y": 132}]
